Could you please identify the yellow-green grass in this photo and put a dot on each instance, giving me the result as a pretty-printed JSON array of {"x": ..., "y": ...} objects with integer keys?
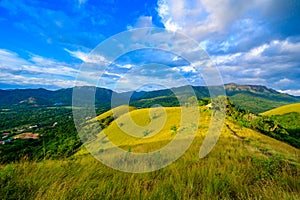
[
  {"x": 122, "y": 133},
  {"x": 130, "y": 128},
  {"x": 232, "y": 170},
  {"x": 284, "y": 110},
  {"x": 148, "y": 129},
  {"x": 250, "y": 166}
]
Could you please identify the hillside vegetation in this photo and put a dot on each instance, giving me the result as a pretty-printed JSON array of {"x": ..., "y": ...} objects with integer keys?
[
  {"x": 287, "y": 117},
  {"x": 284, "y": 109},
  {"x": 244, "y": 164},
  {"x": 255, "y": 104}
]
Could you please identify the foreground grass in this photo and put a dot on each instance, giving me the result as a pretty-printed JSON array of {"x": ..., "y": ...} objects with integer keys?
[{"x": 233, "y": 170}]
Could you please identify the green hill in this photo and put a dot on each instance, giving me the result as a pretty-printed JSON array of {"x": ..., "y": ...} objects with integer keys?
[
  {"x": 244, "y": 164},
  {"x": 288, "y": 117},
  {"x": 254, "y": 103},
  {"x": 284, "y": 109}
]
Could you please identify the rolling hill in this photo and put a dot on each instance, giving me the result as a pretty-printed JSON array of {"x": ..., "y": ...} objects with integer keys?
[
  {"x": 288, "y": 117},
  {"x": 284, "y": 110},
  {"x": 244, "y": 164},
  {"x": 122, "y": 132}
]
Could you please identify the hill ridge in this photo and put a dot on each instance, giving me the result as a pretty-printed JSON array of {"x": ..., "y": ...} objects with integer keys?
[{"x": 256, "y": 98}]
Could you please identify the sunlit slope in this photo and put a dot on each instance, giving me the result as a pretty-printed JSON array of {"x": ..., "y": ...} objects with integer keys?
[
  {"x": 243, "y": 164},
  {"x": 151, "y": 127},
  {"x": 284, "y": 109},
  {"x": 154, "y": 128}
]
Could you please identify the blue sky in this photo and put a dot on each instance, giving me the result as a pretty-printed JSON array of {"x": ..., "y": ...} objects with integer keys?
[{"x": 44, "y": 43}]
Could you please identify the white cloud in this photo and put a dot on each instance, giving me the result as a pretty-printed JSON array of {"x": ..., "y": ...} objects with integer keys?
[
  {"x": 284, "y": 82},
  {"x": 87, "y": 57},
  {"x": 292, "y": 92},
  {"x": 10, "y": 61},
  {"x": 112, "y": 74},
  {"x": 199, "y": 18},
  {"x": 255, "y": 52},
  {"x": 126, "y": 66},
  {"x": 187, "y": 69},
  {"x": 35, "y": 70},
  {"x": 274, "y": 64},
  {"x": 273, "y": 52},
  {"x": 56, "y": 70},
  {"x": 23, "y": 80}
]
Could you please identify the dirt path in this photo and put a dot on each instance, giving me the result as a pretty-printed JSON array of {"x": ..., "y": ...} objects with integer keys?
[{"x": 234, "y": 133}]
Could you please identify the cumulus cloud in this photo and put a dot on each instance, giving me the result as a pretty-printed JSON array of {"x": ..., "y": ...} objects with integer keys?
[
  {"x": 201, "y": 18},
  {"x": 93, "y": 58},
  {"x": 36, "y": 70},
  {"x": 251, "y": 42},
  {"x": 275, "y": 64},
  {"x": 292, "y": 92}
]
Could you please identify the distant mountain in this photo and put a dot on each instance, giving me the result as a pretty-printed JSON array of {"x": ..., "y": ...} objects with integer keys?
[
  {"x": 47, "y": 97},
  {"x": 255, "y": 98}
]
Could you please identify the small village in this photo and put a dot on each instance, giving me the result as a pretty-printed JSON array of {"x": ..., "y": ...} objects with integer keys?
[{"x": 7, "y": 137}]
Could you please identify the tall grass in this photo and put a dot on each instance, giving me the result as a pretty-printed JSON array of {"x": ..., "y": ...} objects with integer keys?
[
  {"x": 255, "y": 167},
  {"x": 230, "y": 171}
]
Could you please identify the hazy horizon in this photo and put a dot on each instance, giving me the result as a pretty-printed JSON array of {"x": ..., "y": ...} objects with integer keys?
[{"x": 156, "y": 89}]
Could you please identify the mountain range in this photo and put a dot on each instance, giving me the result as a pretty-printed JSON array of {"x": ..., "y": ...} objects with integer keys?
[{"x": 255, "y": 98}]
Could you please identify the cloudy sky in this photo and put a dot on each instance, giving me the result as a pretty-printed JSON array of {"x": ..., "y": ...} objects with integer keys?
[{"x": 45, "y": 43}]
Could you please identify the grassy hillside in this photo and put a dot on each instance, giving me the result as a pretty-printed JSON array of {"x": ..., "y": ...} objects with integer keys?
[
  {"x": 284, "y": 109},
  {"x": 255, "y": 104},
  {"x": 287, "y": 117},
  {"x": 244, "y": 164}
]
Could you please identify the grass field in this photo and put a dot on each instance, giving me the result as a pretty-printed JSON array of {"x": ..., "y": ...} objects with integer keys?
[
  {"x": 284, "y": 110},
  {"x": 244, "y": 164}
]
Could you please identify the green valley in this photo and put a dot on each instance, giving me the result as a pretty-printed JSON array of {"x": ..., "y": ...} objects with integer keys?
[{"x": 244, "y": 164}]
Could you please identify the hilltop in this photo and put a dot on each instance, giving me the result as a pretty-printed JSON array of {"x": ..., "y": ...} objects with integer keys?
[
  {"x": 123, "y": 118},
  {"x": 287, "y": 117},
  {"x": 284, "y": 110}
]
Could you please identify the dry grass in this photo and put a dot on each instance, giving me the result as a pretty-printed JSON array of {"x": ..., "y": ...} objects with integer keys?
[
  {"x": 284, "y": 110},
  {"x": 255, "y": 167}
]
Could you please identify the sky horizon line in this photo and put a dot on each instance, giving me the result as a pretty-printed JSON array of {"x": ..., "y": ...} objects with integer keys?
[{"x": 225, "y": 84}]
